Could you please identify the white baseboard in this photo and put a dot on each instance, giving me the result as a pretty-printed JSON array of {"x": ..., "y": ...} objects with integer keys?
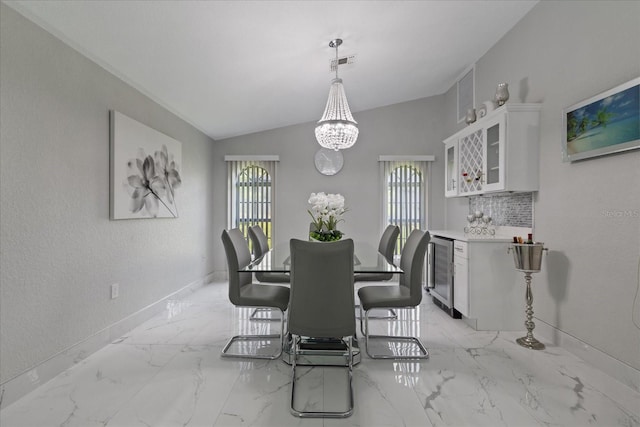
[
  {"x": 611, "y": 366},
  {"x": 218, "y": 276},
  {"x": 19, "y": 386}
]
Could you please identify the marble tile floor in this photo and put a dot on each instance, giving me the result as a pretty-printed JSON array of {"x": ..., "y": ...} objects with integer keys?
[{"x": 168, "y": 372}]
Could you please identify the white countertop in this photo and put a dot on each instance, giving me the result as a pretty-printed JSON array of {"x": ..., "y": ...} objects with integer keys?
[{"x": 468, "y": 237}]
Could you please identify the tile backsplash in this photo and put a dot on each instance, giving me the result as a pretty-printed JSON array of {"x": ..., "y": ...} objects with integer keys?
[{"x": 506, "y": 210}]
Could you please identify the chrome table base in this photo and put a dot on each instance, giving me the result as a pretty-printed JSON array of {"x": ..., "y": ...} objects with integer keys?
[{"x": 322, "y": 352}]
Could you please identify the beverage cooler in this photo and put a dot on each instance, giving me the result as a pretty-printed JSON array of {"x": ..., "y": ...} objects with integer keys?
[{"x": 440, "y": 280}]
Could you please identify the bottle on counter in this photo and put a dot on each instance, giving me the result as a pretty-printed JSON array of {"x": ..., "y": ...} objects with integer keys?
[{"x": 530, "y": 239}]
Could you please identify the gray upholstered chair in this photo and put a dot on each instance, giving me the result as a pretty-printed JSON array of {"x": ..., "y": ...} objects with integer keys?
[
  {"x": 407, "y": 294},
  {"x": 244, "y": 293},
  {"x": 261, "y": 247},
  {"x": 321, "y": 305},
  {"x": 260, "y": 244},
  {"x": 386, "y": 246}
]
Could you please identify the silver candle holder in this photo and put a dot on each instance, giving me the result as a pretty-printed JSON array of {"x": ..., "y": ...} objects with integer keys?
[{"x": 479, "y": 224}]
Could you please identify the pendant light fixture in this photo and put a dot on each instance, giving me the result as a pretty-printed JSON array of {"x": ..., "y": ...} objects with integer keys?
[{"x": 336, "y": 129}]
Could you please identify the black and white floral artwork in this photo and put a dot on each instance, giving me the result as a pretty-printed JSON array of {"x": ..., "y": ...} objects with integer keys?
[{"x": 145, "y": 170}]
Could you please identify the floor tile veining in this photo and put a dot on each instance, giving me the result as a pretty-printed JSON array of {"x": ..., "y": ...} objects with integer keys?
[{"x": 168, "y": 372}]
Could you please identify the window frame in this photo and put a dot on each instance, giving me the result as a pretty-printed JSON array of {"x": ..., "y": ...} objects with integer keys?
[
  {"x": 236, "y": 167},
  {"x": 388, "y": 165}
]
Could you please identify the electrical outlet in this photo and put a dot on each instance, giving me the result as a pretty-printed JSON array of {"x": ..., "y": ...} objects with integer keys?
[{"x": 115, "y": 291}]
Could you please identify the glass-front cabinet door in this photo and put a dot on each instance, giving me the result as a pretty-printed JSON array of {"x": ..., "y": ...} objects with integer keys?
[
  {"x": 494, "y": 153},
  {"x": 451, "y": 168}
]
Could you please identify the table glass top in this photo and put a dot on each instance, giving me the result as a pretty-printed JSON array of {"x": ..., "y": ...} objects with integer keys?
[{"x": 367, "y": 259}]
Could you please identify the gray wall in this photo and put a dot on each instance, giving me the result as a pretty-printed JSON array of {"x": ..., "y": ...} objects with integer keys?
[
  {"x": 407, "y": 128},
  {"x": 587, "y": 213},
  {"x": 60, "y": 252}
]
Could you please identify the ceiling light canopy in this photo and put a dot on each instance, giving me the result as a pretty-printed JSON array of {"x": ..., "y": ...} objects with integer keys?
[{"x": 337, "y": 129}]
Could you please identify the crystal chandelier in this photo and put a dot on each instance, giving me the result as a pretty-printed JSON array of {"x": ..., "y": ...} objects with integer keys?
[{"x": 336, "y": 129}]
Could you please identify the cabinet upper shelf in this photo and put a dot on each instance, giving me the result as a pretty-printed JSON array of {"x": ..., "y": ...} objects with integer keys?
[
  {"x": 497, "y": 153},
  {"x": 506, "y": 108}
]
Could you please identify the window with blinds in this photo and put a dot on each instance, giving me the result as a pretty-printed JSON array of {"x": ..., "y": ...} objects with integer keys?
[
  {"x": 251, "y": 193},
  {"x": 404, "y": 190}
]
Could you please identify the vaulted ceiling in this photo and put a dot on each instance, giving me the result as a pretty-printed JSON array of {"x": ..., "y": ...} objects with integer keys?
[{"x": 236, "y": 67}]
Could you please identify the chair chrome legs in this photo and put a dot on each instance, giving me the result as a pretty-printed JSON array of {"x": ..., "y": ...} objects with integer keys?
[
  {"x": 317, "y": 414},
  {"x": 256, "y": 317},
  {"x": 391, "y": 316},
  {"x": 423, "y": 353},
  {"x": 226, "y": 353}
]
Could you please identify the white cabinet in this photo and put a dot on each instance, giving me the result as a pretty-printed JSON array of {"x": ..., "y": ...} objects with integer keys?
[
  {"x": 496, "y": 153},
  {"x": 487, "y": 289},
  {"x": 495, "y": 291},
  {"x": 461, "y": 278}
]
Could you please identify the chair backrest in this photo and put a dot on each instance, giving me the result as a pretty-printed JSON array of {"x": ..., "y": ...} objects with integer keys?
[
  {"x": 259, "y": 240},
  {"x": 321, "y": 302},
  {"x": 238, "y": 256},
  {"x": 260, "y": 245},
  {"x": 412, "y": 263},
  {"x": 388, "y": 241}
]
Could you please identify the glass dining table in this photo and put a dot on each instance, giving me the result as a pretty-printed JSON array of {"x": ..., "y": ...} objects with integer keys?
[
  {"x": 327, "y": 352},
  {"x": 366, "y": 259}
]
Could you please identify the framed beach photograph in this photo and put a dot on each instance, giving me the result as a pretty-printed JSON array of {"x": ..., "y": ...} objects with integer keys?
[
  {"x": 145, "y": 170},
  {"x": 604, "y": 124}
]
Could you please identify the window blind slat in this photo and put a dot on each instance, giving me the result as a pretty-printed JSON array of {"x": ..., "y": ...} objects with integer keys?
[
  {"x": 251, "y": 188},
  {"x": 404, "y": 198}
]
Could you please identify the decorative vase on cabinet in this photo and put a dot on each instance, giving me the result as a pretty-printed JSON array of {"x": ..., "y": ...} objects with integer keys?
[{"x": 502, "y": 93}]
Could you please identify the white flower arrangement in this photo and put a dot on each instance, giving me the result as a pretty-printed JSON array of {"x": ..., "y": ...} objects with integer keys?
[{"x": 326, "y": 211}]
